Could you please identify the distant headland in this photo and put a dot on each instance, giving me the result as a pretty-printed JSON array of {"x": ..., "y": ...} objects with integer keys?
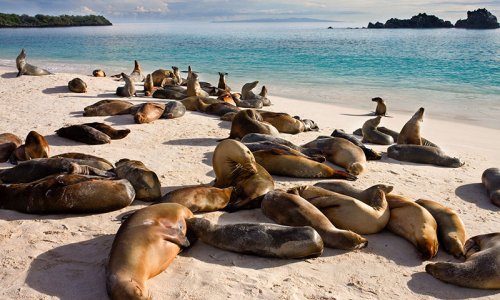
[
  {"x": 15, "y": 21},
  {"x": 271, "y": 20}
]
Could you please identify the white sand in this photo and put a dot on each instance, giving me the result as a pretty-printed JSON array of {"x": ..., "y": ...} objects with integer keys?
[{"x": 63, "y": 256}]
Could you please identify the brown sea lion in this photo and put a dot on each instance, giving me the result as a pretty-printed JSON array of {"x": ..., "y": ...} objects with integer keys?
[
  {"x": 114, "y": 134},
  {"x": 284, "y": 122},
  {"x": 99, "y": 73},
  {"x": 341, "y": 152},
  {"x": 481, "y": 269},
  {"x": 77, "y": 85},
  {"x": 491, "y": 181},
  {"x": 410, "y": 134},
  {"x": 145, "y": 182},
  {"x": 222, "y": 82},
  {"x": 194, "y": 88},
  {"x": 423, "y": 155},
  {"x": 246, "y": 91},
  {"x": 267, "y": 240},
  {"x": 199, "y": 198},
  {"x": 144, "y": 246},
  {"x": 177, "y": 75},
  {"x": 8, "y": 144},
  {"x": 107, "y": 107},
  {"x": 234, "y": 166},
  {"x": 35, "y": 146},
  {"x": 370, "y": 154},
  {"x": 148, "y": 85},
  {"x": 129, "y": 89},
  {"x": 87, "y": 159},
  {"x": 149, "y": 112},
  {"x": 293, "y": 210},
  {"x": 218, "y": 109},
  {"x": 451, "y": 229},
  {"x": 27, "y": 69},
  {"x": 67, "y": 194},
  {"x": 259, "y": 137},
  {"x": 381, "y": 108},
  {"x": 158, "y": 76},
  {"x": 168, "y": 93},
  {"x": 266, "y": 145},
  {"x": 191, "y": 103},
  {"x": 395, "y": 135},
  {"x": 137, "y": 75},
  {"x": 249, "y": 121},
  {"x": 349, "y": 213},
  {"x": 84, "y": 134},
  {"x": 173, "y": 109},
  {"x": 263, "y": 96},
  {"x": 374, "y": 136}
]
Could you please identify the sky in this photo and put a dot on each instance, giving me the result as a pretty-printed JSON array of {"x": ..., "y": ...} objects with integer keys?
[{"x": 347, "y": 11}]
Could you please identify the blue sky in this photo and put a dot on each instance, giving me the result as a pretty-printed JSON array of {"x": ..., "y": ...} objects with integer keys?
[{"x": 349, "y": 11}]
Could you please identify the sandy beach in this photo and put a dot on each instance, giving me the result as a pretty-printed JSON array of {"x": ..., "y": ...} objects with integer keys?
[{"x": 63, "y": 256}]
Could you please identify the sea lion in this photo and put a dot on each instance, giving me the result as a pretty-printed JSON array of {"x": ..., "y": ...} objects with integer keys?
[
  {"x": 293, "y": 210},
  {"x": 370, "y": 154},
  {"x": 194, "y": 88},
  {"x": 410, "y": 134},
  {"x": 63, "y": 194},
  {"x": 491, "y": 181},
  {"x": 423, "y": 155},
  {"x": 381, "y": 108},
  {"x": 77, "y": 85},
  {"x": 176, "y": 75},
  {"x": 246, "y": 91},
  {"x": 199, "y": 198},
  {"x": 160, "y": 75},
  {"x": 35, "y": 146},
  {"x": 114, "y": 134},
  {"x": 234, "y": 166},
  {"x": 349, "y": 213},
  {"x": 222, "y": 82},
  {"x": 39, "y": 168},
  {"x": 259, "y": 137},
  {"x": 267, "y": 240},
  {"x": 87, "y": 159},
  {"x": 107, "y": 107},
  {"x": 148, "y": 85},
  {"x": 168, "y": 93},
  {"x": 99, "y": 73},
  {"x": 451, "y": 229},
  {"x": 263, "y": 96},
  {"x": 342, "y": 153},
  {"x": 144, "y": 246},
  {"x": 27, "y": 69},
  {"x": 136, "y": 74},
  {"x": 481, "y": 269},
  {"x": 173, "y": 109},
  {"x": 249, "y": 121},
  {"x": 266, "y": 145},
  {"x": 149, "y": 112},
  {"x": 84, "y": 134},
  {"x": 395, "y": 135},
  {"x": 287, "y": 163},
  {"x": 8, "y": 144},
  {"x": 247, "y": 99},
  {"x": 191, "y": 103},
  {"x": 128, "y": 90},
  {"x": 218, "y": 109},
  {"x": 284, "y": 122},
  {"x": 374, "y": 136},
  {"x": 145, "y": 182}
]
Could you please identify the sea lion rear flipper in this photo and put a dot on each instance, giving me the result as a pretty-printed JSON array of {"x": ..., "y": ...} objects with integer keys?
[
  {"x": 176, "y": 236},
  {"x": 20, "y": 73},
  {"x": 343, "y": 175}
]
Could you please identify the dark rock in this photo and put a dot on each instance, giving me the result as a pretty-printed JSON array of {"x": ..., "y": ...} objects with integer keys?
[
  {"x": 377, "y": 25},
  {"x": 421, "y": 20},
  {"x": 478, "y": 19}
]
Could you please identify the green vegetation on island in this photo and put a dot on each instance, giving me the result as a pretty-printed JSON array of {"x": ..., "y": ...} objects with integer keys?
[{"x": 13, "y": 20}]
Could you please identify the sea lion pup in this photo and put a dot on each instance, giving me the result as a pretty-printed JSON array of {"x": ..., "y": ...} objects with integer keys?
[
  {"x": 410, "y": 134},
  {"x": 374, "y": 136},
  {"x": 481, "y": 269},
  {"x": 39, "y": 168},
  {"x": 491, "y": 181},
  {"x": 8, "y": 144},
  {"x": 381, "y": 108},
  {"x": 114, "y": 134},
  {"x": 128, "y": 90},
  {"x": 99, "y": 73},
  {"x": 27, "y": 69},
  {"x": 144, "y": 246},
  {"x": 84, "y": 134},
  {"x": 342, "y": 153},
  {"x": 136, "y": 75},
  {"x": 284, "y": 122},
  {"x": 168, "y": 93},
  {"x": 173, "y": 109},
  {"x": 259, "y": 137},
  {"x": 267, "y": 240},
  {"x": 288, "y": 163},
  {"x": 148, "y": 85},
  {"x": 145, "y": 182},
  {"x": 73, "y": 193},
  {"x": 218, "y": 109},
  {"x": 199, "y": 198},
  {"x": 77, "y": 85},
  {"x": 293, "y": 210},
  {"x": 349, "y": 213},
  {"x": 451, "y": 229},
  {"x": 158, "y": 76},
  {"x": 222, "y": 82},
  {"x": 249, "y": 121},
  {"x": 194, "y": 88},
  {"x": 234, "y": 166},
  {"x": 107, "y": 107},
  {"x": 149, "y": 112},
  {"x": 370, "y": 154},
  {"x": 423, "y": 155}
]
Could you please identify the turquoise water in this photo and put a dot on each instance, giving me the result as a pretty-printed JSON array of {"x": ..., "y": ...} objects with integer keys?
[{"x": 453, "y": 73}]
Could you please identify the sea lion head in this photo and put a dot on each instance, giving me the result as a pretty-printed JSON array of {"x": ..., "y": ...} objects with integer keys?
[{"x": 378, "y": 100}]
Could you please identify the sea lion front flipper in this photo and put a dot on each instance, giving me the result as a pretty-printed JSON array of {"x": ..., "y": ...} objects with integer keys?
[{"x": 175, "y": 236}]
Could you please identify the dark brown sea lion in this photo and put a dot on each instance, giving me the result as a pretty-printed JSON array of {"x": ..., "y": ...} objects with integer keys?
[
  {"x": 148, "y": 85},
  {"x": 173, "y": 109},
  {"x": 27, "y": 69},
  {"x": 370, "y": 154},
  {"x": 267, "y": 240},
  {"x": 107, "y": 108},
  {"x": 199, "y": 198},
  {"x": 160, "y": 75},
  {"x": 249, "y": 121},
  {"x": 8, "y": 143},
  {"x": 144, "y": 246},
  {"x": 128, "y": 90},
  {"x": 87, "y": 159},
  {"x": 149, "y": 112},
  {"x": 84, "y": 134},
  {"x": 293, "y": 210},
  {"x": 410, "y": 134},
  {"x": 218, "y": 109},
  {"x": 72, "y": 193},
  {"x": 491, "y": 181},
  {"x": 145, "y": 182},
  {"x": 99, "y": 73},
  {"x": 381, "y": 108},
  {"x": 168, "y": 93},
  {"x": 481, "y": 269},
  {"x": 114, "y": 134},
  {"x": 451, "y": 229},
  {"x": 423, "y": 155},
  {"x": 77, "y": 85},
  {"x": 222, "y": 82},
  {"x": 374, "y": 136}
]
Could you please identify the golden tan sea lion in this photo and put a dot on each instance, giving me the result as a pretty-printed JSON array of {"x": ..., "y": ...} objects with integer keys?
[
  {"x": 267, "y": 240},
  {"x": 293, "y": 210},
  {"x": 27, "y": 69},
  {"x": 191, "y": 103},
  {"x": 160, "y": 75},
  {"x": 199, "y": 198},
  {"x": 410, "y": 134},
  {"x": 218, "y": 109},
  {"x": 372, "y": 135},
  {"x": 194, "y": 88},
  {"x": 491, "y": 181},
  {"x": 77, "y": 85},
  {"x": 284, "y": 122},
  {"x": 451, "y": 229},
  {"x": 249, "y": 121},
  {"x": 144, "y": 246},
  {"x": 381, "y": 108},
  {"x": 148, "y": 85},
  {"x": 149, "y": 112},
  {"x": 8, "y": 144},
  {"x": 129, "y": 89},
  {"x": 99, "y": 73},
  {"x": 145, "y": 182},
  {"x": 349, "y": 213},
  {"x": 107, "y": 108},
  {"x": 370, "y": 154}
]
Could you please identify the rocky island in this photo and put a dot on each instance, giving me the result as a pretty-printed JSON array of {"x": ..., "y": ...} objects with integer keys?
[
  {"x": 478, "y": 19},
  {"x": 13, "y": 21}
]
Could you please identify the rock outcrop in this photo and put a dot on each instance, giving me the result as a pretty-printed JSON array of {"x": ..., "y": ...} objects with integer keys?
[{"x": 478, "y": 19}]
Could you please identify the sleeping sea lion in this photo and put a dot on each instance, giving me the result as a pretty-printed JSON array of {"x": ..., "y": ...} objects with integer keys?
[
  {"x": 249, "y": 121},
  {"x": 107, "y": 107},
  {"x": 370, "y": 154},
  {"x": 158, "y": 76},
  {"x": 284, "y": 122},
  {"x": 8, "y": 144},
  {"x": 149, "y": 112},
  {"x": 266, "y": 145},
  {"x": 77, "y": 85},
  {"x": 84, "y": 134},
  {"x": 173, "y": 109},
  {"x": 35, "y": 146},
  {"x": 99, "y": 73},
  {"x": 145, "y": 182},
  {"x": 423, "y": 155},
  {"x": 27, "y": 69},
  {"x": 114, "y": 134},
  {"x": 410, "y": 134},
  {"x": 199, "y": 198},
  {"x": 491, "y": 181},
  {"x": 87, "y": 159},
  {"x": 259, "y": 137}
]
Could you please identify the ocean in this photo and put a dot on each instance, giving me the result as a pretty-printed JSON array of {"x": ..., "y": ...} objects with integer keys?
[{"x": 453, "y": 73}]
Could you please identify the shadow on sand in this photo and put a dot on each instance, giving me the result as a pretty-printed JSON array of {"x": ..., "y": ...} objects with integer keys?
[
  {"x": 476, "y": 193},
  {"x": 56, "y": 90},
  {"x": 9, "y": 75}
]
